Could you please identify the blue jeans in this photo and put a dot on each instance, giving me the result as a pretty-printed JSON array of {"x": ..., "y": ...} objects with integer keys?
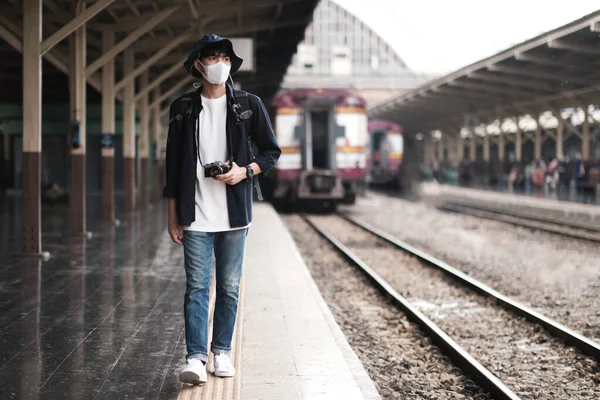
[{"x": 198, "y": 249}]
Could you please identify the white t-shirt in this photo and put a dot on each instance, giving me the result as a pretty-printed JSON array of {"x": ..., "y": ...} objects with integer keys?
[{"x": 211, "y": 196}]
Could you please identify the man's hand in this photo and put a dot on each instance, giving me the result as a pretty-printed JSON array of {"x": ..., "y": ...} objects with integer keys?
[
  {"x": 175, "y": 230},
  {"x": 234, "y": 176},
  {"x": 176, "y": 233}
]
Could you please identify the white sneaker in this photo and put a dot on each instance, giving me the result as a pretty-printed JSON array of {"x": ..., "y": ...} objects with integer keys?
[
  {"x": 223, "y": 366},
  {"x": 193, "y": 373}
]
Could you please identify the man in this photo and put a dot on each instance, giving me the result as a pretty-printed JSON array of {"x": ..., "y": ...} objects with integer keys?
[{"x": 210, "y": 206}]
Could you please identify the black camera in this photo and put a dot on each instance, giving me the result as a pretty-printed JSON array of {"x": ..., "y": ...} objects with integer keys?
[{"x": 217, "y": 168}]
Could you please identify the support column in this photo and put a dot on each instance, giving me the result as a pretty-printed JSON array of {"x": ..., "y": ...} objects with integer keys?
[
  {"x": 460, "y": 149},
  {"x": 501, "y": 155},
  {"x": 486, "y": 146},
  {"x": 472, "y": 147},
  {"x": 538, "y": 139},
  {"x": 108, "y": 131},
  {"x": 428, "y": 151},
  {"x": 144, "y": 138},
  {"x": 559, "y": 135},
  {"x": 585, "y": 140},
  {"x": 4, "y": 178},
  {"x": 518, "y": 142},
  {"x": 158, "y": 166},
  {"x": 440, "y": 150},
  {"x": 129, "y": 135},
  {"x": 77, "y": 63},
  {"x": 32, "y": 127},
  {"x": 486, "y": 154}
]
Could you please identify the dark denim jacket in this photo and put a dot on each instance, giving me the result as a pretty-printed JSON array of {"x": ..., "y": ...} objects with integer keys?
[{"x": 181, "y": 157}]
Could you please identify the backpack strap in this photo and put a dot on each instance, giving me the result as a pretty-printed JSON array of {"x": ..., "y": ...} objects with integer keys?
[{"x": 242, "y": 98}]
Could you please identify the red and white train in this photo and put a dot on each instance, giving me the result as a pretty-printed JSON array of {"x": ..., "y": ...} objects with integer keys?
[
  {"x": 323, "y": 135},
  {"x": 384, "y": 153}
]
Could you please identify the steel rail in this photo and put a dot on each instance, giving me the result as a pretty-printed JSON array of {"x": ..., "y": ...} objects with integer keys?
[
  {"x": 584, "y": 344},
  {"x": 557, "y": 228},
  {"x": 455, "y": 352}
]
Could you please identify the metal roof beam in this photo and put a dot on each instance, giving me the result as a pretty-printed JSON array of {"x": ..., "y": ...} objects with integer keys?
[
  {"x": 482, "y": 87},
  {"x": 11, "y": 39},
  {"x": 54, "y": 56},
  {"x": 211, "y": 11},
  {"x": 150, "y": 62},
  {"x": 573, "y": 94},
  {"x": 536, "y": 74},
  {"x": 194, "y": 9},
  {"x": 254, "y": 27},
  {"x": 466, "y": 94},
  {"x": 125, "y": 43},
  {"x": 579, "y": 48},
  {"x": 527, "y": 83},
  {"x": 75, "y": 23},
  {"x": 158, "y": 80},
  {"x": 171, "y": 92},
  {"x": 553, "y": 62}
]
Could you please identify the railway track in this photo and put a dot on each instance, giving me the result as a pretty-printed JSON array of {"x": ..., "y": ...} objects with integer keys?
[
  {"x": 573, "y": 230},
  {"x": 480, "y": 336}
]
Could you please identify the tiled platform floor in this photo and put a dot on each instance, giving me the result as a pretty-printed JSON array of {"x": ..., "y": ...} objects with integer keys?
[{"x": 102, "y": 318}]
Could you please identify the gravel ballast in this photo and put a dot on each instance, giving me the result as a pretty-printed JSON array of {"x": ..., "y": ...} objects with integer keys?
[
  {"x": 530, "y": 361},
  {"x": 397, "y": 355},
  {"x": 555, "y": 275}
]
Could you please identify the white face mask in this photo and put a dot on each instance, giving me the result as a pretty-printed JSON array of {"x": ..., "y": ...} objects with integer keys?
[{"x": 216, "y": 74}]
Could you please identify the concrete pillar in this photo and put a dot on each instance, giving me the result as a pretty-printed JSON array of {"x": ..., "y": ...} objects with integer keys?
[
  {"x": 472, "y": 147},
  {"x": 559, "y": 135},
  {"x": 501, "y": 146},
  {"x": 3, "y": 156},
  {"x": 32, "y": 127},
  {"x": 486, "y": 145},
  {"x": 144, "y": 138},
  {"x": 585, "y": 140},
  {"x": 428, "y": 151},
  {"x": 440, "y": 149},
  {"x": 450, "y": 142},
  {"x": 538, "y": 139},
  {"x": 108, "y": 131},
  {"x": 460, "y": 142},
  {"x": 518, "y": 142},
  {"x": 77, "y": 77},
  {"x": 156, "y": 130},
  {"x": 129, "y": 135}
]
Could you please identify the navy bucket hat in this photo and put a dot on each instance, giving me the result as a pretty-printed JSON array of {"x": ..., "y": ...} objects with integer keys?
[{"x": 206, "y": 41}]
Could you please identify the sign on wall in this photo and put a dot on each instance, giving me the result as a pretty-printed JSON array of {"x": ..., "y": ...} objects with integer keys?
[{"x": 244, "y": 47}]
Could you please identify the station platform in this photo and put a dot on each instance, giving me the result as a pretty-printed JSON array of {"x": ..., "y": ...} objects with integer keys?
[
  {"x": 103, "y": 317},
  {"x": 535, "y": 204}
]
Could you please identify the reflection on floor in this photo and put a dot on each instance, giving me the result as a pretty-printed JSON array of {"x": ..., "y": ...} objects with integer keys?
[{"x": 102, "y": 318}]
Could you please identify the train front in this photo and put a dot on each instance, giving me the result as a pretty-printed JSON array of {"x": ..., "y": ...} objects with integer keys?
[
  {"x": 322, "y": 133},
  {"x": 384, "y": 153}
]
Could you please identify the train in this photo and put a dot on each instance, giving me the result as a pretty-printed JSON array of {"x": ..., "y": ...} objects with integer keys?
[
  {"x": 385, "y": 151},
  {"x": 323, "y": 134}
]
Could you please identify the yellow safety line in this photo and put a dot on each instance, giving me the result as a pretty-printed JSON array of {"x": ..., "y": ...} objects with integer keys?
[{"x": 220, "y": 388}]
